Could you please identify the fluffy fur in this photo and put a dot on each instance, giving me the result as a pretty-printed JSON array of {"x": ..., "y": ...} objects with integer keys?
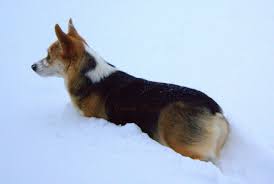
[
  {"x": 185, "y": 119},
  {"x": 102, "y": 68}
]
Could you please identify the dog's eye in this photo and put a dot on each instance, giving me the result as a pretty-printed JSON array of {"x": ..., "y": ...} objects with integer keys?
[{"x": 45, "y": 62}]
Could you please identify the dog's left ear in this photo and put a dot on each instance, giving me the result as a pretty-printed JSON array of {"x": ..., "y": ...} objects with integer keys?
[
  {"x": 71, "y": 29},
  {"x": 64, "y": 39}
]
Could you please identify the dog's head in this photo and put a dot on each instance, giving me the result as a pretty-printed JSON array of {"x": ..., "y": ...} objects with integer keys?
[
  {"x": 63, "y": 54},
  {"x": 70, "y": 56}
]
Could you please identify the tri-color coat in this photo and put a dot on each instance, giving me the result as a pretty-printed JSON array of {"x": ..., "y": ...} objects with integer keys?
[{"x": 184, "y": 119}]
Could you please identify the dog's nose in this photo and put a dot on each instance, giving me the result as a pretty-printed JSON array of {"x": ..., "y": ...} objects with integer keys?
[{"x": 34, "y": 67}]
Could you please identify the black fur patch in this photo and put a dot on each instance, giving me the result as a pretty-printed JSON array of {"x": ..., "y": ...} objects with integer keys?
[
  {"x": 131, "y": 99},
  {"x": 89, "y": 63}
]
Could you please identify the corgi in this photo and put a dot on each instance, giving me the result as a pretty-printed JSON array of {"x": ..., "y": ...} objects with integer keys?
[{"x": 184, "y": 119}]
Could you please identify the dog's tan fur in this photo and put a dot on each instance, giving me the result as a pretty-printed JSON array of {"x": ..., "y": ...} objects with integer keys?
[{"x": 173, "y": 131}]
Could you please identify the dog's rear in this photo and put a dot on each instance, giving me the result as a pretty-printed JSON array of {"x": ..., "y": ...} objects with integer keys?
[{"x": 193, "y": 132}]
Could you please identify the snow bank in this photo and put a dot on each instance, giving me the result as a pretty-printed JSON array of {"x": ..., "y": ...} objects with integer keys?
[{"x": 63, "y": 147}]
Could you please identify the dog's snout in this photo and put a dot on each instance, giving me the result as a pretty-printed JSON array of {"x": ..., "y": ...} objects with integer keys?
[{"x": 34, "y": 67}]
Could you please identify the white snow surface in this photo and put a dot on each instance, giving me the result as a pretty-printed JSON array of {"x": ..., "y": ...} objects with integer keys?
[{"x": 224, "y": 48}]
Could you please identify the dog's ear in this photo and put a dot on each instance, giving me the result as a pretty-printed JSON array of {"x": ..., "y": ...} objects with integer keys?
[
  {"x": 71, "y": 30},
  {"x": 64, "y": 39}
]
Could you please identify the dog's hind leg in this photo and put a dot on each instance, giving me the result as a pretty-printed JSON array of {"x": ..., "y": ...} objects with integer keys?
[{"x": 192, "y": 132}]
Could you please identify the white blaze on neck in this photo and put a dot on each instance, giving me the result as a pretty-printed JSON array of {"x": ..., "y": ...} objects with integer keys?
[{"x": 102, "y": 68}]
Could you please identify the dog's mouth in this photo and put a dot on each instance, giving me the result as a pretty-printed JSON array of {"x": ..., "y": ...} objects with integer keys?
[
  {"x": 38, "y": 69},
  {"x": 41, "y": 70}
]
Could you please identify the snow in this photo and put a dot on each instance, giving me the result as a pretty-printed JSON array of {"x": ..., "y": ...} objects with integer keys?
[{"x": 224, "y": 48}]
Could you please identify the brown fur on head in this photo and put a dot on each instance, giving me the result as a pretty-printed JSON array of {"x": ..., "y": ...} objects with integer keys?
[{"x": 63, "y": 55}]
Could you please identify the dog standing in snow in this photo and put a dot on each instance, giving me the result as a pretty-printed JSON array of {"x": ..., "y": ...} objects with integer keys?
[{"x": 184, "y": 119}]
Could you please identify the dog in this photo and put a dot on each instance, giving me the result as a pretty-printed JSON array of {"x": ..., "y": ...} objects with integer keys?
[{"x": 184, "y": 119}]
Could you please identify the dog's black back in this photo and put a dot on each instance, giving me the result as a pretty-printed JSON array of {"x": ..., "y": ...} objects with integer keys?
[{"x": 131, "y": 99}]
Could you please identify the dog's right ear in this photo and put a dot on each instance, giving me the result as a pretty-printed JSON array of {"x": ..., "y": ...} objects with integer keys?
[
  {"x": 64, "y": 39},
  {"x": 71, "y": 29}
]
